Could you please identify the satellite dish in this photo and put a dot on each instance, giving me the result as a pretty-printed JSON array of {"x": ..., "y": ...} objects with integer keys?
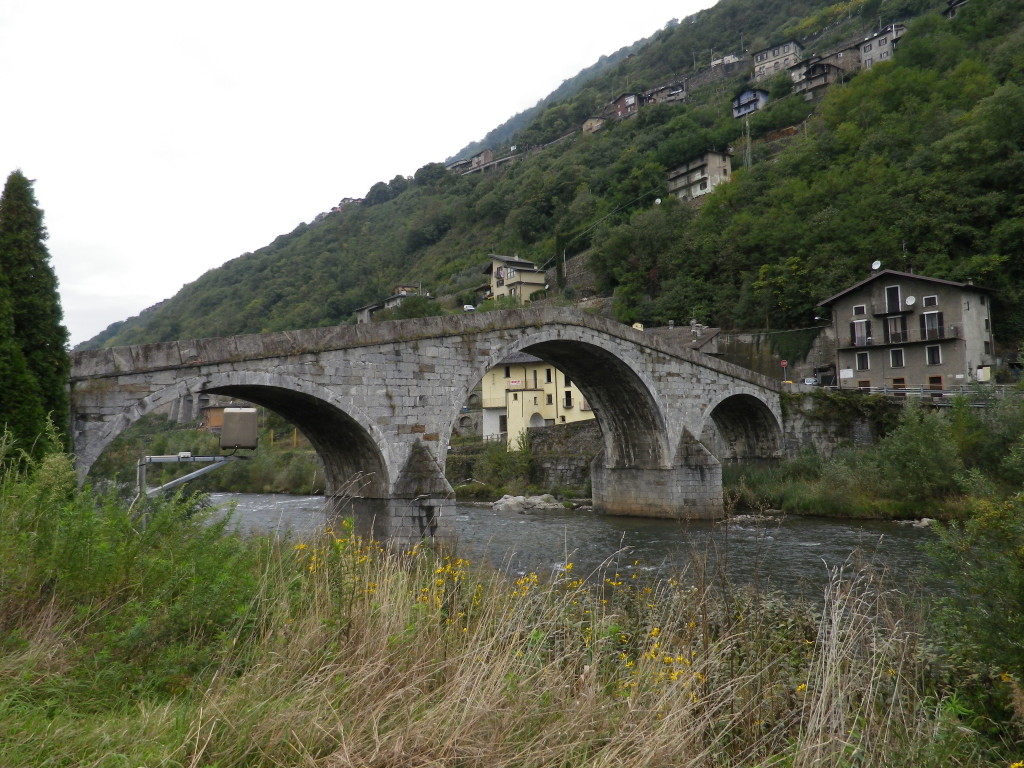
[
  {"x": 876, "y": 264},
  {"x": 910, "y": 301}
]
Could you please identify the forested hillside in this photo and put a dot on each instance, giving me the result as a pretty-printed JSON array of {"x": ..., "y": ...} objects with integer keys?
[{"x": 917, "y": 163}]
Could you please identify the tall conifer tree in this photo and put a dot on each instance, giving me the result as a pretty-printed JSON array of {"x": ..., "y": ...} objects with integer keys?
[
  {"x": 30, "y": 285},
  {"x": 21, "y": 408}
]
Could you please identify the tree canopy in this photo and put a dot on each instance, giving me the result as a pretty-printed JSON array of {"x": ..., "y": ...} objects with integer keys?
[{"x": 34, "y": 354}]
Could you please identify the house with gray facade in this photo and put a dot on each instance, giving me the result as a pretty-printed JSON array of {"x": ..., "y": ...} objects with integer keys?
[{"x": 897, "y": 330}]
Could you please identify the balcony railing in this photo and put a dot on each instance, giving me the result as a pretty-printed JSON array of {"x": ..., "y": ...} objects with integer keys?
[{"x": 936, "y": 333}]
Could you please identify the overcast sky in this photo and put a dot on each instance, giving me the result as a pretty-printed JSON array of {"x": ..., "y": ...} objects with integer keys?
[{"x": 168, "y": 138}]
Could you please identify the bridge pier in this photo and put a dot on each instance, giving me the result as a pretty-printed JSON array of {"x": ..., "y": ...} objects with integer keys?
[
  {"x": 690, "y": 490},
  {"x": 396, "y": 520}
]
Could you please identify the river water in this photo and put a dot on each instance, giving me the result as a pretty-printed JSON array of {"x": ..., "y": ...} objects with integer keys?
[{"x": 791, "y": 554}]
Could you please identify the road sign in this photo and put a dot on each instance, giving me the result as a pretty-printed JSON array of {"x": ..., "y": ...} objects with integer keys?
[{"x": 785, "y": 363}]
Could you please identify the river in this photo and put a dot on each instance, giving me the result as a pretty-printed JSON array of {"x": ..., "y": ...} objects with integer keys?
[{"x": 791, "y": 554}]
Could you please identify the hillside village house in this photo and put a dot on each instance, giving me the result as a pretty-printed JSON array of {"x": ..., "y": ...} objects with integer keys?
[
  {"x": 778, "y": 58},
  {"x": 880, "y": 46},
  {"x": 700, "y": 175},
  {"x": 624, "y": 105},
  {"x": 399, "y": 294},
  {"x": 896, "y": 330},
  {"x": 749, "y": 101},
  {"x": 512, "y": 276},
  {"x": 524, "y": 391}
]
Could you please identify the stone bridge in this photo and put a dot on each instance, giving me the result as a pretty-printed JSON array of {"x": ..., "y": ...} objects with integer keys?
[{"x": 379, "y": 401}]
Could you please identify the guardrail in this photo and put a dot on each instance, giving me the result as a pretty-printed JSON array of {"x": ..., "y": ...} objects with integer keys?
[{"x": 997, "y": 391}]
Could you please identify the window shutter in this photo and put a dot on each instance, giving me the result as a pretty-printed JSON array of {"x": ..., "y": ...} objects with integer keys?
[{"x": 853, "y": 334}]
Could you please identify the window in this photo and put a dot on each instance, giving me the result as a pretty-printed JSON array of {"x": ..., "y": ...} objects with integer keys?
[
  {"x": 867, "y": 63},
  {"x": 988, "y": 324},
  {"x": 930, "y": 301},
  {"x": 508, "y": 372},
  {"x": 515, "y": 397},
  {"x": 535, "y": 400},
  {"x": 860, "y": 332},
  {"x": 896, "y": 358},
  {"x": 892, "y": 298},
  {"x": 777, "y": 65},
  {"x": 547, "y": 375},
  {"x": 931, "y": 326},
  {"x": 933, "y": 355},
  {"x": 866, "y": 48},
  {"x": 863, "y": 361},
  {"x": 568, "y": 382},
  {"x": 534, "y": 379},
  {"x": 864, "y": 384},
  {"x": 881, "y": 41},
  {"x": 775, "y": 52},
  {"x": 883, "y": 55},
  {"x": 568, "y": 399},
  {"x": 550, "y": 399},
  {"x": 988, "y": 347},
  {"x": 860, "y": 309},
  {"x": 785, "y": 49},
  {"x": 896, "y": 330}
]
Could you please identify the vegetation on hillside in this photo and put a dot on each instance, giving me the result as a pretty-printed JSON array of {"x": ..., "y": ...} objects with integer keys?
[
  {"x": 161, "y": 639},
  {"x": 912, "y": 162},
  {"x": 931, "y": 462}
]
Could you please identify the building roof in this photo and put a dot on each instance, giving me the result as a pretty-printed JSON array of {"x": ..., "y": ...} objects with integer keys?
[
  {"x": 893, "y": 273},
  {"x": 511, "y": 261}
]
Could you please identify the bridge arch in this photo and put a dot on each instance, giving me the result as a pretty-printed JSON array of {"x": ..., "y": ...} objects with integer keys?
[
  {"x": 621, "y": 394},
  {"x": 741, "y": 426},
  {"x": 348, "y": 444}
]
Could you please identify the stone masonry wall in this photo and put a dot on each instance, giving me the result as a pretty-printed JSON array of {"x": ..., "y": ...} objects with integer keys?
[{"x": 562, "y": 454}]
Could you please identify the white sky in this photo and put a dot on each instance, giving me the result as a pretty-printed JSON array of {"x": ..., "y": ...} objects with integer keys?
[{"x": 168, "y": 138}]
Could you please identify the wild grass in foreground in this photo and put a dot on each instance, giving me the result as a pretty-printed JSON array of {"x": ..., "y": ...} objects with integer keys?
[{"x": 178, "y": 644}]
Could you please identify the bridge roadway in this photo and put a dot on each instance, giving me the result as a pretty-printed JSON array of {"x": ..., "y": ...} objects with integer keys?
[{"x": 379, "y": 401}]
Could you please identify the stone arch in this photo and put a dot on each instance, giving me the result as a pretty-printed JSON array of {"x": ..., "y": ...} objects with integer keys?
[
  {"x": 345, "y": 440},
  {"x": 536, "y": 420},
  {"x": 620, "y": 393},
  {"x": 742, "y": 426}
]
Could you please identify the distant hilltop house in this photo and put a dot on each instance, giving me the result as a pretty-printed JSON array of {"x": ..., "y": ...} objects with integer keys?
[
  {"x": 524, "y": 391},
  {"x": 813, "y": 75},
  {"x": 751, "y": 100},
  {"x": 777, "y": 58},
  {"x": 345, "y": 203},
  {"x": 669, "y": 92},
  {"x": 624, "y": 105},
  {"x": 399, "y": 294},
  {"x": 899, "y": 330},
  {"x": 880, "y": 46},
  {"x": 700, "y": 175},
  {"x": 482, "y": 162},
  {"x": 512, "y": 276}
]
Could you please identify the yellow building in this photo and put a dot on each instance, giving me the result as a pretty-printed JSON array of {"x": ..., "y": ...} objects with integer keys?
[
  {"x": 524, "y": 391},
  {"x": 511, "y": 276}
]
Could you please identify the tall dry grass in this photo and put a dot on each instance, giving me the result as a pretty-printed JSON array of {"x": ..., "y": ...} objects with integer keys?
[{"x": 179, "y": 645}]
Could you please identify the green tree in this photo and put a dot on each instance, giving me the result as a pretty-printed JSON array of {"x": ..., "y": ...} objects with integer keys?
[
  {"x": 21, "y": 411},
  {"x": 34, "y": 305}
]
